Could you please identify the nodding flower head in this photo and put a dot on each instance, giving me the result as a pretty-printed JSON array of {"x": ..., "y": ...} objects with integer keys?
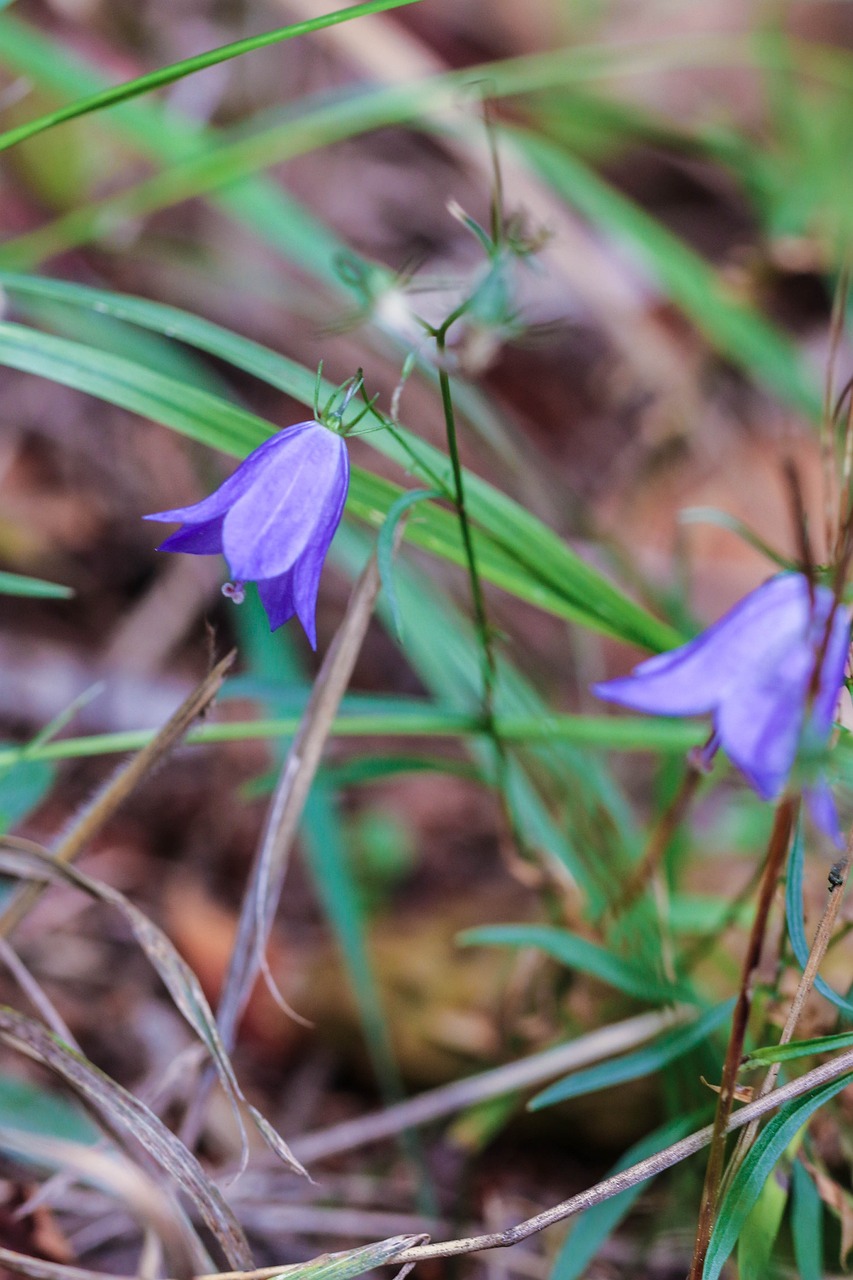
[
  {"x": 273, "y": 520},
  {"x": 755, "y": 672}
]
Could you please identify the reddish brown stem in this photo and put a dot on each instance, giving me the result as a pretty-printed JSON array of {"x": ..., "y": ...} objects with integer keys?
[{"x": 773, "y": 863}]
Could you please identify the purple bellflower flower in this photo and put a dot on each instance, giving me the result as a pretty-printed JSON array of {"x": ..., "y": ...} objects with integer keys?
[
  {"x": 273, "y": 520},
  {"x": 754, "y": 672}
]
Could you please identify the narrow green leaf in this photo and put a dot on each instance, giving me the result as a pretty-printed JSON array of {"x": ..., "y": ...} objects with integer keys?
[
  {"x": 518, "y": 552},
  {"x": 168, "y": 75},
  {"x": 24, "y": 1105},
  {"x": 759, "y": 1231},
  {"x": 633, "y": 1066},
  {"x": 745, "y": 1187},
  {"x": 596, "y": 1225},
  {"x": 15, "y": 584},
  {"x": 576, "y": 953},
  {"x": 23, "y": 786},
  {"x": 794, "y": 907},
  {"x": 351, "y": 1262},
  {"x": 806, "y": 1224},
  {"x": 385, "y": 547},
  {"x": 798, "y": 1049}
]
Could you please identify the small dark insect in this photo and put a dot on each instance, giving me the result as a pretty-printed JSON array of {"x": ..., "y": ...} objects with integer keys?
[{"x": 836, "y": 873}]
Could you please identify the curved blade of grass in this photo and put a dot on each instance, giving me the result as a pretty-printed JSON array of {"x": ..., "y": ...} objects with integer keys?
[
  {"x": 759, "y": 1163},
  {"x": 738, "y": 330},
  {"x": 806, "y": 1224},
  {"x": 385, "y": 544},
  {"x": 797, "y": 1049},
  {"x": 16, "y": 584},
  {"x": 794, "y": 908},
  {"x": 576, "y": 953},
  {"x": 121, "y": 1180},
  {"x": 633, "y": 1066},
  {"x": 517, "y": 535},
  {"x": 349, "y": 1263},
  {"x": 168, "y": 75},
  {"x": 24, "y": 859},
  {"x": 723, "y": 520},
  {"x": 120, "y": 1112}
]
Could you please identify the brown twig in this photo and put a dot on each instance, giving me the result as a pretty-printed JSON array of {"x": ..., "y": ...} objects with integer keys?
[
  {"x": 605, "y": 1190},
  {"x": 637, "y": 1173},
  {"x": 774, "y": 861}
]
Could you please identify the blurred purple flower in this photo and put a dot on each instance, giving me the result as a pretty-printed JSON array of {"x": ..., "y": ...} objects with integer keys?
[
  {"x": 754, "y": 672},
  {"x": 273, "y": 520}
]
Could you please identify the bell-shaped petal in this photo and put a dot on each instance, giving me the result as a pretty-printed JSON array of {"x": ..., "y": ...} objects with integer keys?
[
  {"x": 289, "y": 500},
  {"x": 274, "y": 519},
  {"x": 755, "y": 672}
]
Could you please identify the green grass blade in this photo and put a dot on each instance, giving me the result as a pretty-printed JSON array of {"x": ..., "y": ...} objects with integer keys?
[
  {"x": 385, "y": 547},
  {"x": 176, "y": 71},
  {"x": 806, "y": 1224},
  {"x": 576, "y": 953},
  {"x": 634, "y": 1066},
  {"x": 794, "y": 917},
  {"x": 516, "y": 548},
  {"x": 798, "y": 1049},
  {"x": 16, "y": 584},
  {"x": 745, "y": 1187},
  {"x": 596, "y": 1226}
]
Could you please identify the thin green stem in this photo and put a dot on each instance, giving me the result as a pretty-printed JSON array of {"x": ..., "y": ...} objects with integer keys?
[{"x": 481, "y": 620}]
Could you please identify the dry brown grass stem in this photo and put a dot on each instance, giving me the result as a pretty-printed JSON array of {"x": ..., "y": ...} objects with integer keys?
[{"x": 285, "y": 812}]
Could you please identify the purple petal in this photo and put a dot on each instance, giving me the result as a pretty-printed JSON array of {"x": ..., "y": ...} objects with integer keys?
[
  {"x": 287, "y": 505},
  {"x": 831, "y": 674},
  {"x": 822, "y": 810},
  {"x": 693, "y": 679},
  {"x": 196, "y": 539},
  {"x": 760, "y": 720},
  {"x": 218, "y": 502},
  {"x": 277, "y": 598}
]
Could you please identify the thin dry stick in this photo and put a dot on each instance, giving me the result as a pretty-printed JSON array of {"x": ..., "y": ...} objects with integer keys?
[
  {"x": 774, "y": 861},
  {"x": 605, "y": 1190},
  {"x": 637, "y": 1173},
  {"x": 285, "y": 811},
  {"x": 449, "y": 1099},
  {"x": 127, "y": 778},
  {"x": 818, "y": 951}
]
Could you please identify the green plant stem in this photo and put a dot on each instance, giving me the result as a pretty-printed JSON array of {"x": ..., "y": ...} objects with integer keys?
[
  {"x": 481, "y": 620},
  {"x": 774, "y": 860}
]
